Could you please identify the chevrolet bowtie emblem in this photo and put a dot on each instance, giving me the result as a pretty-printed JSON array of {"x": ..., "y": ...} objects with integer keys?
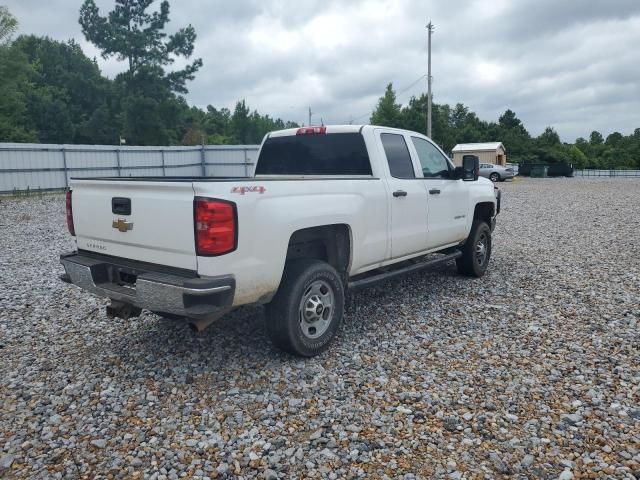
[{"x": 122, "y": 225}]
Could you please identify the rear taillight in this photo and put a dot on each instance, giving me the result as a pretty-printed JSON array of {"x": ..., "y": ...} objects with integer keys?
[
  {"x": 216, "y": 226},
  {"x": 311, "y": 130},
  {"x": 72, "y": 230}
]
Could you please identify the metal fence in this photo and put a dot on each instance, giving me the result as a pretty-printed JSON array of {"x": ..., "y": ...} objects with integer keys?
[
  {"x": 29, "y": 166},
  {"x": 607, "y": 173}
]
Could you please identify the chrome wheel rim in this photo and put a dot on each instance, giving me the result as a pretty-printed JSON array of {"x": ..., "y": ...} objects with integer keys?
[
  {"x": 493, "y": 177},
  {"x": 482, "y": 249},
  {"x": 316, "y": 309}
]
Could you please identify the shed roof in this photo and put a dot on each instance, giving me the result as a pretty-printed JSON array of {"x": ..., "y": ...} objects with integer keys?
[{"x": 478, "y": 147}]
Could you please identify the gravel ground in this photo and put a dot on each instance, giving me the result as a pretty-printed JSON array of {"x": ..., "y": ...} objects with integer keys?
[{"x": 530, "y": 372}]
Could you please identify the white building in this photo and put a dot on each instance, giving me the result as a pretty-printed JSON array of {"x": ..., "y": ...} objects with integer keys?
[{"x": 491, "y": 152}]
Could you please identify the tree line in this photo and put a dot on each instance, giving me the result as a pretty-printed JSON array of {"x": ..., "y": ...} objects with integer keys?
[
  {"x": 51, "y": 92},
  {"x": 457, "y": 124}
]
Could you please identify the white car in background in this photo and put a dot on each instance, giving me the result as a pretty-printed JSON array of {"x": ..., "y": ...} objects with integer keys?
[{"x": 496, "y": 173}]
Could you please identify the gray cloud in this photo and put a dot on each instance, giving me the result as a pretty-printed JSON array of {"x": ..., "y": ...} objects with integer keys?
[{"x": 573, "y": 65}]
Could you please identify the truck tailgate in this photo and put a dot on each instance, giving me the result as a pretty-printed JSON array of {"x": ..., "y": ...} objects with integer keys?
[{"x": 157, "y": 229}]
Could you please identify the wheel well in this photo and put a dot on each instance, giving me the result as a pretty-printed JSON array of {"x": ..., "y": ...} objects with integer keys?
[
  {"x": 484, "y": 211},
  {"x": 331, "y": 243}
]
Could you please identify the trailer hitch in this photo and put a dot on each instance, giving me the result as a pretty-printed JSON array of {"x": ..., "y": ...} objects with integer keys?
[{"x": 122, "y": 310}]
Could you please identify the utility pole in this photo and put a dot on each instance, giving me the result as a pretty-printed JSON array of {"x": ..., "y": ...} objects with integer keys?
[
  {"x": 430, "y": 28},
  {"x": 309, "y": 124}
]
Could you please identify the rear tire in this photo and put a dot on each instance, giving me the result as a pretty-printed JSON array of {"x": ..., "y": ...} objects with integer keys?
[
  {"x": 476, "y": 251},
  {"x": 306, "y": 312}
]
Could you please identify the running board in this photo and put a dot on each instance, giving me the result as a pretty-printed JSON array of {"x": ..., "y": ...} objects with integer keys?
[{"x": 414, "y": 267}]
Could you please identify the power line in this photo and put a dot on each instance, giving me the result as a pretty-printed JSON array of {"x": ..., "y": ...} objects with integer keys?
[
  {"x": 410, "y": 86},
  {"x": 352, "y": 119},
  {"x": 404, "y": 90}
]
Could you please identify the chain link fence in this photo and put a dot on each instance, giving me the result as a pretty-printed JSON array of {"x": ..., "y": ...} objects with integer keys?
[{"x": 607, "y": 173}]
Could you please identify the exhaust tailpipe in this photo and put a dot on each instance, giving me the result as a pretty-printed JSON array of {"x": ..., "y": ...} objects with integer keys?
[{"x": 201, "y": 323}]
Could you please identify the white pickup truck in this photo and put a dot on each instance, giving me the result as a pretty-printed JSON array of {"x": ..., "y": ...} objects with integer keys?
[{"x": 328, "y": 209}]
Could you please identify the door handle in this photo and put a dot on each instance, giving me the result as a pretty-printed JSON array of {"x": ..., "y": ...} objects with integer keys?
[
  {"x": 434, "y": 191},
  {"x": 399, "y": 193}
]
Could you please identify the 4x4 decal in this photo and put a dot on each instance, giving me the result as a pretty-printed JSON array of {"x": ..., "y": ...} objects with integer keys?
[{"x": 251, "y": 189}]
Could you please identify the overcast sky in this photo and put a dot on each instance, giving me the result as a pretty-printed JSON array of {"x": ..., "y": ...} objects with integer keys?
[{"x": 571, "y": 64}]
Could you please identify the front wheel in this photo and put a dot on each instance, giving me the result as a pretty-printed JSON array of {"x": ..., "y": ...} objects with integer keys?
[
  {"x": 494, "y": 177},
  {"x": 476, "y": 252},
  {"x": 307, "y": 310}
]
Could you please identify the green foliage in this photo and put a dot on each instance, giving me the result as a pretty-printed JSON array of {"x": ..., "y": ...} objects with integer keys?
[
  {"x": 596, "y": 138},
  {"x": 8, "y": 24},
  {"x": 577, "y": 158},
  {"x": 614, "y": 139},
  {"x": 15, "y": 73},
  {"x": 145, "y": 100},
  {"x": 549, "y": 138},
  {"x": 50, "y": 92},
  {"x": 388, "y": 112},
  {"x": 240, "y": 124},
  {"x": 457, "y": 124},
  {"x": 131, "y": 33},
  {"x": 508, "y": 120},
  {"x": 65, "y": 89}
]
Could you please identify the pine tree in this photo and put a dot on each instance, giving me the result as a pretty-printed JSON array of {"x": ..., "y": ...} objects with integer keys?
[
  {"x": 130, "y": 33},
  {"x": 388, "y": 113}
]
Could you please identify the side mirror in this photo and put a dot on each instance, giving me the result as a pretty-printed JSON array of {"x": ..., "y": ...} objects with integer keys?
[{"x": 470, "y": 168}]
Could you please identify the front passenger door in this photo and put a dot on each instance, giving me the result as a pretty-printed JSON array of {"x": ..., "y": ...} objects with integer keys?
[{"x": 448, "y": 198}]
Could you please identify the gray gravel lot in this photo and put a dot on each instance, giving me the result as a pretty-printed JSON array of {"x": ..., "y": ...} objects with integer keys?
[{"x": 530, "y": 372}]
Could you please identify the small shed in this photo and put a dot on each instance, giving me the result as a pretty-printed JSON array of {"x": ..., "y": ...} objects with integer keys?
[{"x": 490, "y": 152}]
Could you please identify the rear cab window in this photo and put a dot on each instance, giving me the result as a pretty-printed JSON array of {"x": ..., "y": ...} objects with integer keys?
[
  {"x": 317, "y": 154},
  {"x": 398, "y": 157}
]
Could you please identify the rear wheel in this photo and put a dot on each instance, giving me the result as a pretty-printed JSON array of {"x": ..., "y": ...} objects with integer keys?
[
  {"x": 494, "y": 177},
  {"x": 307, "y": 310},
  {"x": 476, "y": 252}
]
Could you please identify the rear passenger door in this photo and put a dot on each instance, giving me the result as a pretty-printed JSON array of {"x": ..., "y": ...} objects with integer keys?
[
  {"x": 407, "y": 196},
  {"x": 448, "y": 198}
]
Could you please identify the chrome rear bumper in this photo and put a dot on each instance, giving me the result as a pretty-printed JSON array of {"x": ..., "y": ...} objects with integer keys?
[{"x": 159, "y": 289}]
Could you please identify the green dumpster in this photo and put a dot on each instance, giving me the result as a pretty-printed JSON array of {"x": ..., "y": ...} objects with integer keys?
[{"x": 539, "y": 171}]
